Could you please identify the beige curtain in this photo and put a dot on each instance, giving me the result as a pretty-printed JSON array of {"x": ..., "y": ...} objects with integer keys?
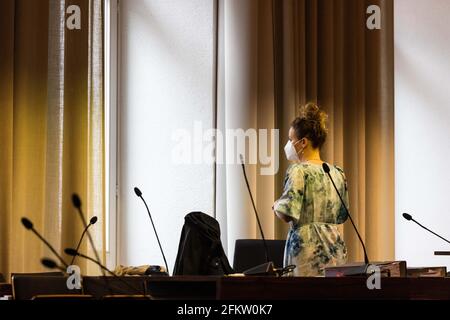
[
  {"x": 286, "y": 53},
  {"x": 51, "y": 129},
  {"x": 323, "y": 52}
]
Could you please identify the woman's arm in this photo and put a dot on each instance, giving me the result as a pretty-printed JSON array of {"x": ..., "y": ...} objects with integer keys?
[
  {"x": 288, "y": 207},
  {"x": 282, "y": 216}
]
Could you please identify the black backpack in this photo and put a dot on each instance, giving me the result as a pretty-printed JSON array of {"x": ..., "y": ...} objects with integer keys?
[{"x": 200, "y": 251}]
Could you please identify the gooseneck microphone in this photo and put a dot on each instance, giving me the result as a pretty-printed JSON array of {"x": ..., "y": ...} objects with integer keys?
[
  {"x": 92, "y": 221},
  {"x": 76, "y": 201},
  {"x": 139, "y": 194},
  {"x": 410, "y": 218},
  {"x": 268, "y": 267},
  {"x": 326, "y": 168},
  {"x": 74, "y": 253},
  {"x": 266, "y": 250},
  {"x": 29, "y": 226}
]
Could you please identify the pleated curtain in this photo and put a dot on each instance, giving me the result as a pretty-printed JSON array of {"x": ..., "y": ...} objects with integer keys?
[{"x": 51, "y": 129}]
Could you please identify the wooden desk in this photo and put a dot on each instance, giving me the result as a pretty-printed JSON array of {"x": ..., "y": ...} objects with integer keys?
[
  {"x": 268, "y": 288},
  {"x": 333, "y": 288},
  {"x": 183, "y": 287},
  {"x": 271, "y": 288}
]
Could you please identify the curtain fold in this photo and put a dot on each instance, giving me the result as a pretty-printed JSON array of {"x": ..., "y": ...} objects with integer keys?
[
  {"x": 52, "y": 132},
  {"x": 6, "y": 128}
]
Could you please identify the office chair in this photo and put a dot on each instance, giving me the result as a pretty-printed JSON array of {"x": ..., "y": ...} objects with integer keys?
[
  {"x": 249, "y": 253},
  {"x": 27, "y": 286}
]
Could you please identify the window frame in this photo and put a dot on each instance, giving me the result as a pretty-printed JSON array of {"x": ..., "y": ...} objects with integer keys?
[{"x": 111, "y": 70}]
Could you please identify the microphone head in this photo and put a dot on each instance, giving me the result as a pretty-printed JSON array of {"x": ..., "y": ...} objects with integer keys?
[
  {"x": 49, "y": 263},
  {"x": 27, "y": 223},
  {"x": 71, "y": 252},
  {"x": 242, "y": 158},
  {"x": 93, "y": 220},
  {"x": 76, "y": 201},
  {"x": 407, "y": 216},
  {"x": 137, "y": 191},
  {"x": 325, "y": 167}
]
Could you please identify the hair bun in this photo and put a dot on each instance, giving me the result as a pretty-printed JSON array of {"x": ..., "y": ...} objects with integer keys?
[
  {"x": 311, "y": 112},
  {"x": 311, "y": 123}
]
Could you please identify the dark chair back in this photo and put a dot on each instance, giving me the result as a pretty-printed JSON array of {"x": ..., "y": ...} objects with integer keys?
[
  {"x": 27, "y": 286},
  {"x": 200, "y": 251},
  {"x": 249, "y": 253},
  {"x": 39, "y": 274}
]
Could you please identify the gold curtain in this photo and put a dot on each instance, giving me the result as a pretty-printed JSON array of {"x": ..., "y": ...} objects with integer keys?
[
  {"x": 51, "y": 129},
  {"x": 324, "y": 53}
]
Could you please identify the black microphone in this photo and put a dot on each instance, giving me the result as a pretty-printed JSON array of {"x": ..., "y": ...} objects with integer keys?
[
  {"x": 76, "y": 201},
  {"x": 327, "y": 171},
  {"x": 410, "y": 218},
  {"x": 139, "y": 194},
  {"x": 92, "y": 221},
  {"x": 51, "y": 264},
  {"x": 75, "y": 253},
  {"x": 266, "y": 268},
  {"x": 29, "y": 226}
]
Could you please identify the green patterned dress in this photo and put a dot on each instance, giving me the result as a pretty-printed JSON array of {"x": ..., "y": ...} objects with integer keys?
[{"x": 309, "y": 198}]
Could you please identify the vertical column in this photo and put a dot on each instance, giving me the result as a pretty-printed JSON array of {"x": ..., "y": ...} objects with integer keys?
[{"x": 380, "y": 185}]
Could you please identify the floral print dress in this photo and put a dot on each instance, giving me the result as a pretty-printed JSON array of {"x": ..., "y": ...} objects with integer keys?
[{"x": 309, "y": 198}]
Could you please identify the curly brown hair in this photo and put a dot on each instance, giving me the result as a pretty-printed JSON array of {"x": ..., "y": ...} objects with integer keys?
[{"x": 311, "y": 124}]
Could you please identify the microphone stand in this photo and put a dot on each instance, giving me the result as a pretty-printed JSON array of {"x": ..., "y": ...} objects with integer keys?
[
  {"x": 327, "y": 171},
  {"x": 93, "y": 220},
  {"x": 326, "y": 168},
  {"x": 268, "y": 267},
  {"x": 139, "y": 194},
  {"x": 436, "y": 253},
  {"x": 76, "y": 201}
]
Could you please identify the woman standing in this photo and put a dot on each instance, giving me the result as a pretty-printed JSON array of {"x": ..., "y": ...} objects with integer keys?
[{"x": 309, "y": 202}]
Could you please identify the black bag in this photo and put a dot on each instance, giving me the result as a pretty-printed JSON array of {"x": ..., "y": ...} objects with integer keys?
[{"x": 200, "y": 251}]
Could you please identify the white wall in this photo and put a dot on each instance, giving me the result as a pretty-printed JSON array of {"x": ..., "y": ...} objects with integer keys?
[
  {"x": 166, "y": 82},
  {"x": 422, "y": 80}
]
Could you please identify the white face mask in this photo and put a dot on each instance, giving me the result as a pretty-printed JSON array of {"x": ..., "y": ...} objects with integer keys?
[{"x": 291, "y": 153}]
